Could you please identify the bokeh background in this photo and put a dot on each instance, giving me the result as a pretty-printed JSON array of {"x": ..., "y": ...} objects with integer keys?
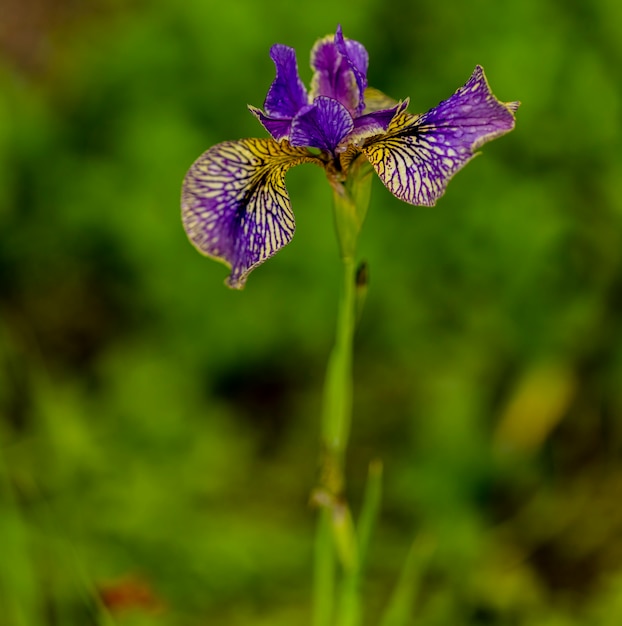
[{"x": 159, "y": 433}]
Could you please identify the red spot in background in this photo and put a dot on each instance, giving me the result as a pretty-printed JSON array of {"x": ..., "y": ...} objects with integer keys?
[{"x": 129, "y": 593}]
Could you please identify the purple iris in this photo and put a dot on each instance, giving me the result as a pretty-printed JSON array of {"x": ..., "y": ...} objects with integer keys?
[
  {"x": 332, "y": 116},
  {"x": 235, "y": 206}
]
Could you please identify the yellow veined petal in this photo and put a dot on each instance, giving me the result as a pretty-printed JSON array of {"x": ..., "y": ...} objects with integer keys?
[{"x": 235, "y": 207}]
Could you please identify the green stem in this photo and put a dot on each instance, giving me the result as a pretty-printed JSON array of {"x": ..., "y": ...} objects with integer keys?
[
  {"x": 324, "y": 571},
  {"x": 336, "y": 538},
  {"x": 336, "y": 419},
  {"x": 338, "y": 391}
]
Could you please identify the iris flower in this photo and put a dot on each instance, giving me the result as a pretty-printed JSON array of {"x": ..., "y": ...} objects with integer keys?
[{"x": 235, "y": 206}]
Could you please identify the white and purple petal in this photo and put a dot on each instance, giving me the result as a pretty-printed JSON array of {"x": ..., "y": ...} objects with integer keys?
[
  {"x": 418, "y": 155},
  {"x": 322, "y": 125},
  {"x": 235, "y": 207}
]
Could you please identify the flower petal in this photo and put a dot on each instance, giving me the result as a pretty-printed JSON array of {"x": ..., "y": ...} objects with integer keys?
[
  {"x": 339, "y": 71},
  {"x": 322, "y": 125},
  {"x": 235, "y": 207},
  {"x": 287, "y": 94},
  {"x": 358, "y": 60},
  {"x": 278, "y": 128},
  {"x": 473, "y": 111},
  {"x": 419, "y": 154}
]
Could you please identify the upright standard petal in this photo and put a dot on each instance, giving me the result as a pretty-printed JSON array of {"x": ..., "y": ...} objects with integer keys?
[
  {"x": 287, "y": 94},
  {"x": 358, "y": 60},
  {"x": 336, "y": 73},
  {"x": 235, "y": 207},
  {"x": 419, "y": 154}
]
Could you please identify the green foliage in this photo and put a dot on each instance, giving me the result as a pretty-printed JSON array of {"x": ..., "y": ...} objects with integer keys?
[{"x": 159, "y": 433}]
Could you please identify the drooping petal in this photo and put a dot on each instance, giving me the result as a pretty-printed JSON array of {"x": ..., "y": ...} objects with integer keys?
[
  {"x": 287, "y": 94},
  {"x": 335, "y": 73},
  {"x": 474, "y": 112},
  {"x": 322, "y": 125},
  {"x": 419, "y": 154},
  {"x": 235, "y": 207}
]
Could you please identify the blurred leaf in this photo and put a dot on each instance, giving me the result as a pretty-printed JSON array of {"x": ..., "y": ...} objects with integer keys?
[
  {"x": 537, "y": 405},
  {"x": 399, "y": 612}
]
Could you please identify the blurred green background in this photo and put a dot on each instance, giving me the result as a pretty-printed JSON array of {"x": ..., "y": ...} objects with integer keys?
[{"x": 159, "y": 433}]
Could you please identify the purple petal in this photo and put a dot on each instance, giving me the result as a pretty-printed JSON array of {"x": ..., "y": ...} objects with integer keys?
[
  {"x": 278, "y": 128},
  {"x": 471, "y": 117},
  {"x": 338, "y": 76},
  {"x": 235, "y": 207},
  {"x": 287, "y": 94},
  {"x": 358, "y": 60},
  {"x": 419, "y": 154},
  {"x": 322, "y": 125}
]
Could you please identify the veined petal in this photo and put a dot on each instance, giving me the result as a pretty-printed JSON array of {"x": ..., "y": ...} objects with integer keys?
[
  {"x": 322, "y": 125},
  {"x": 336, "y": 74},
  {"x": 358, "y": 60},
  {"x": 418, "y": 155},
  {"x": 287, "y": 94},
  {"x": 474, "y": 112},
  {"x": 235, "y": 207}
]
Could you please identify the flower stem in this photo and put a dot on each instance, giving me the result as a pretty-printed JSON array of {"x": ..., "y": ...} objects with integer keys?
[
  {"x": 336, "y": 419},
  {"x": 337, "y": 413},
  {"x": 324, "y": 571},
  {"x": 336, "y": 538}
]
